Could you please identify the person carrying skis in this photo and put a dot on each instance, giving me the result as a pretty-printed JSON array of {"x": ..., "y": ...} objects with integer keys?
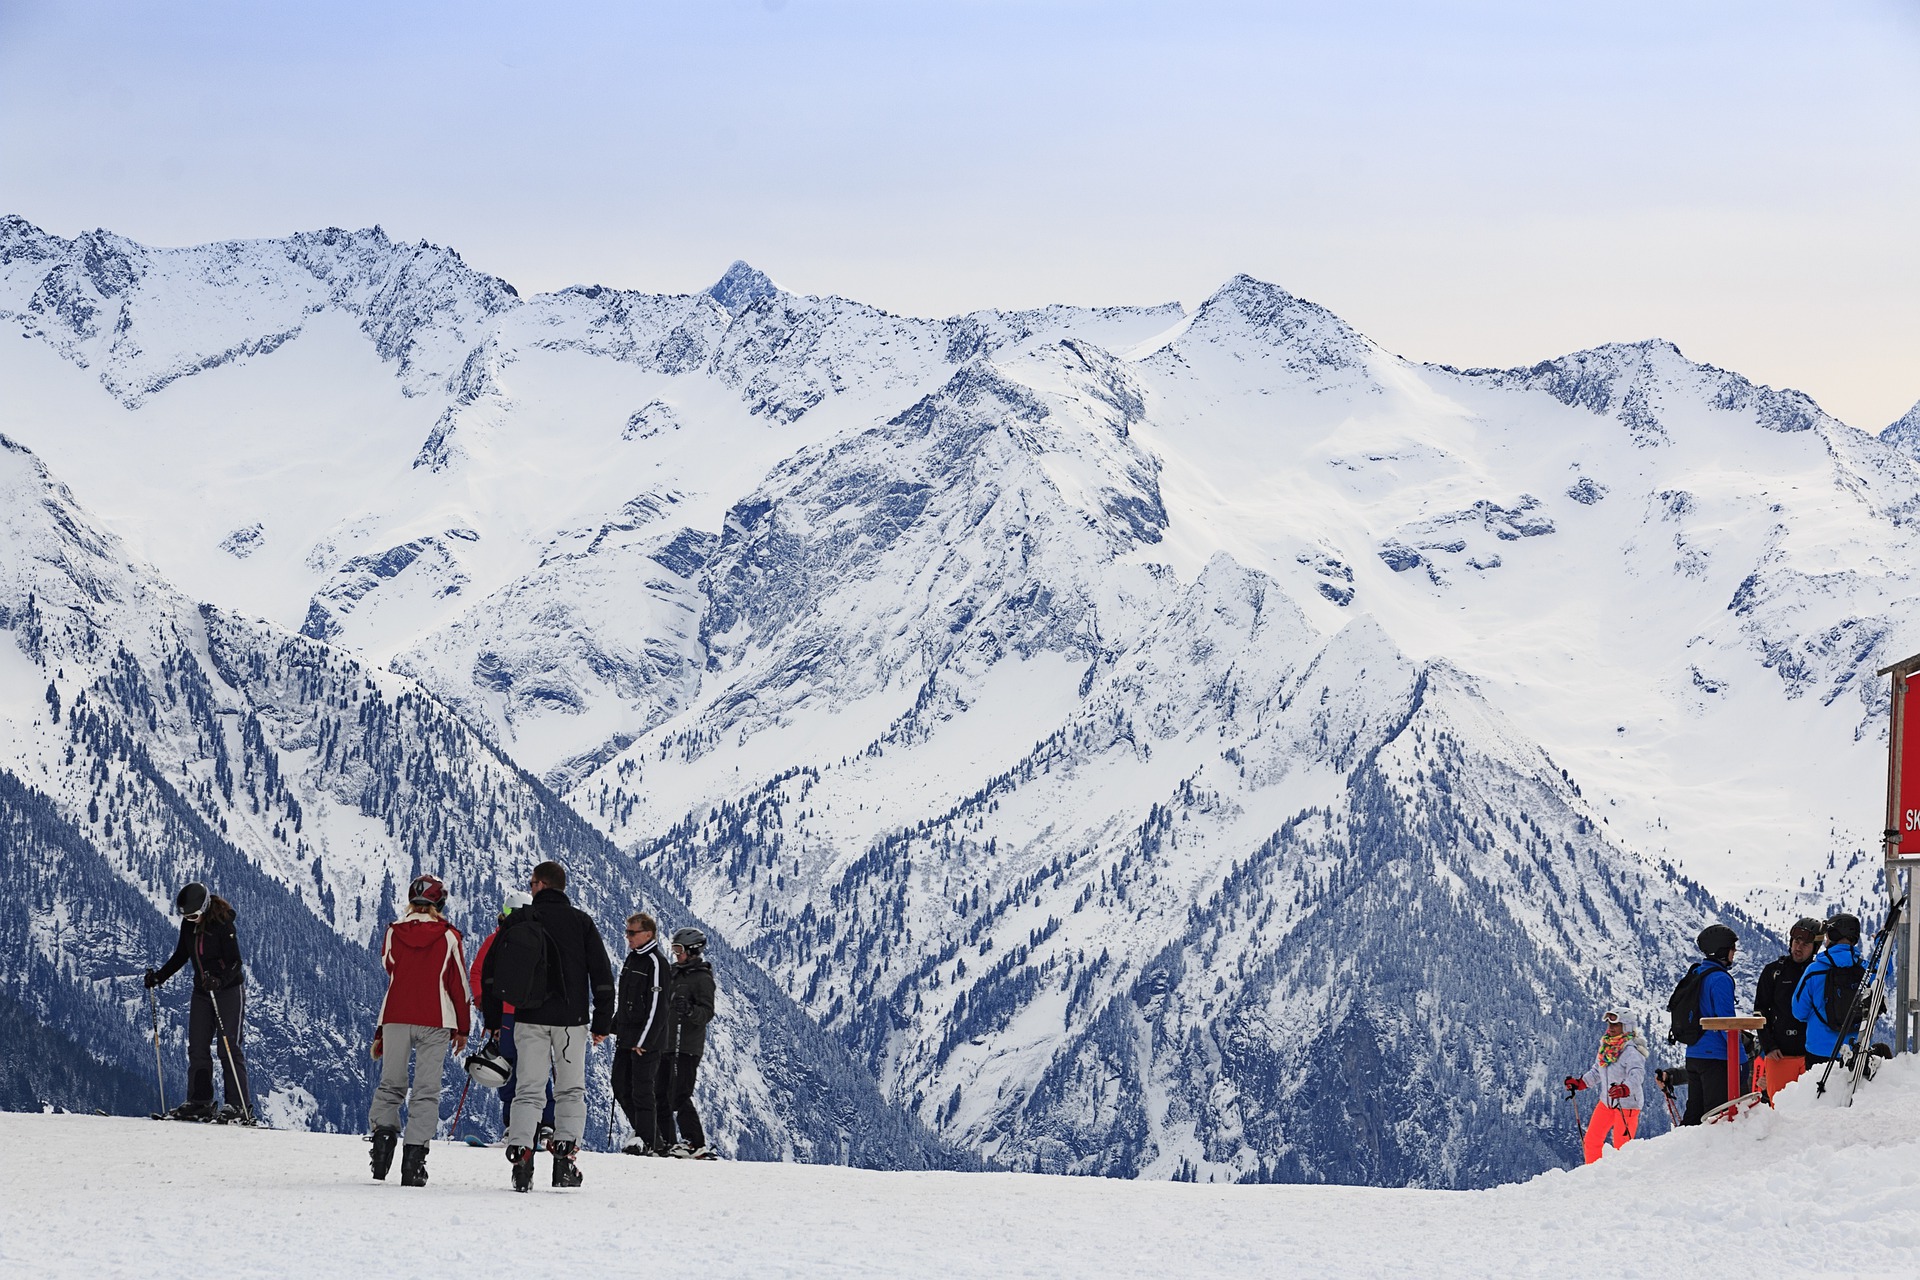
[
  {"x": 1707, "y": 1058},
  {"x": 209, "y": 942},
  {"x": 549, "y": 961},
  {"x": 1783, "y": 1041},
  {"x": 640, "y": 1031},
  {"x": 1819, "y": 1008},
  {"x": 428, "y": 1003},
  {"x": 1617, "y": 1076},
  {"x": 690, "y": 996},
  {"x": 503, "y": 1043}
]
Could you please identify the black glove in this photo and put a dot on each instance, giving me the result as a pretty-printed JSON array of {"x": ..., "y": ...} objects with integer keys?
[
  {"x": 682, "y": 1005},
  {"x": 152, "y": 978}
]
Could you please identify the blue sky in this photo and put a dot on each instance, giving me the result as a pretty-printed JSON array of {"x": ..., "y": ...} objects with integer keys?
[{"x": 1477, "y": 183}]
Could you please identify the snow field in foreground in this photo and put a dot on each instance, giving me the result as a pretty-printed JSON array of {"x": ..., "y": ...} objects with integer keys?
[{"x": 1807, "y": 1187}]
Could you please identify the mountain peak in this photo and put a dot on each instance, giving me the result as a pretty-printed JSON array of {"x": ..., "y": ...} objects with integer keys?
[
  {"x": 1905, "y": 434},
  {"x": 741, "y": 287},
  {"x": 1311, "y": 339}
]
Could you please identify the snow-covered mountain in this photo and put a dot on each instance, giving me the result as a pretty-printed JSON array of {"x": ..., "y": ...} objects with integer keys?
[
  {"x": 1124, "y": 731},
  {"x": 148, "y": 741}
]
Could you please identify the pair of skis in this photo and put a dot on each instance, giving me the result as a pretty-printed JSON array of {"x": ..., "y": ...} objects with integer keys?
[{"x": 1868, "y": 1003}]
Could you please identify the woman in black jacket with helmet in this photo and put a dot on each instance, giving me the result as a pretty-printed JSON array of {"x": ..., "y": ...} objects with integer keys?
[
  {"x": 689, "y": 1010},
  {"x": 208, "y": 942}
]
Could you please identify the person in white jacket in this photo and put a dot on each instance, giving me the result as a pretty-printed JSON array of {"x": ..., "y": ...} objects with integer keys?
[{"x": 1617, "y": 1078}]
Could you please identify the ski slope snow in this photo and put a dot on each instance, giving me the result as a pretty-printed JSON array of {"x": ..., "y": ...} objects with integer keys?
[{"x": 1809, "y": 1189}]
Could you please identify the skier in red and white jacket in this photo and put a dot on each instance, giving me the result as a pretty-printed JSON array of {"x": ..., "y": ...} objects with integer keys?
[{"x": 428, "y": 1005}]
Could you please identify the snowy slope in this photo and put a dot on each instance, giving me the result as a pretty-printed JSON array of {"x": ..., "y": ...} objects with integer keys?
[{"x": 1809, "y": 1188}]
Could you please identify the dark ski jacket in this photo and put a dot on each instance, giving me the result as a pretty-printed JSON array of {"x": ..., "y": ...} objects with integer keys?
[
  {"x": 580, "y": 961},
  {"x": 1810, "y": 997},
  {"x": 640, "y": 1020},
  {"x": 214, "y": 950},
  {"x": 1716, "y": 1001},
  {"x": 690, "y": 1006},
  {"x": 1773, "y": 1000}
]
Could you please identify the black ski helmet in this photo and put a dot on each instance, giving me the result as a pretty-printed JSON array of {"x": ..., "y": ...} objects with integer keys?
[
  {"x": 1844, "y": 927},
  {"x": 192, "y": 899},
  {"x": 488, "y": 1068},
  {"x": 1716, "y": 940},
  {"x": 690, "y": 940},
  {"x": 1807, "y": 929}
]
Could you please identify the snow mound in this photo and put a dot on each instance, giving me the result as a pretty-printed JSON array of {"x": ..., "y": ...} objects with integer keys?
[{"x": 1806, "y": 1187}]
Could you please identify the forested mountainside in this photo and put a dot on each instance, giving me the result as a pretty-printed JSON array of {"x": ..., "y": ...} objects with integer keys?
[{"x": 151, "y": 742}]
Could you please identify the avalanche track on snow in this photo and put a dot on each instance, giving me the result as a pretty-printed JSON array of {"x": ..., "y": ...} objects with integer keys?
[{"x": 1809, "y": 1186}]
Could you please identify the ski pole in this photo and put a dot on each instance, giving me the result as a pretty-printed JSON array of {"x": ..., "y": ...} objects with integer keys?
[
  {"x": 233, "y": 1069},
  {"x": 159, "y": 1075},
  {"x": 453, "y": 1134}
]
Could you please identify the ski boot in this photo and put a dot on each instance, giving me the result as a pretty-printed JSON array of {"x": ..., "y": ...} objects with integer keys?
[
  {"x": 385, "y": 1139},
  {"x": 565, "y": 1172},
  {"x": 195, "y": 1112},
  {"x": 681, "y": 1150},
  {"x": 703, "y": 1152},
  {"x": 413, "y": 1165},
  {"x": 522, "y": 1160},
  {"x": 543, "y": 1137},
  {"x": 231, "y": 1114}
]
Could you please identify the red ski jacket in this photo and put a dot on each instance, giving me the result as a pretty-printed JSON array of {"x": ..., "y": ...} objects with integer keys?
[
  {"x": 473, "y": 972},
  {"x": 426, "y": 967}
]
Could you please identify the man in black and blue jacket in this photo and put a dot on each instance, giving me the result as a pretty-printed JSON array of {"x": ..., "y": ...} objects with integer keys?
[{"x": 1707, "y": 1057}]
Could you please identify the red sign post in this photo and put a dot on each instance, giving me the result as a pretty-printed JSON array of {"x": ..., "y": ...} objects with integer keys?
[
  {"x": 1904, "y": 773},
  {"x": 1903, "y": 836}
]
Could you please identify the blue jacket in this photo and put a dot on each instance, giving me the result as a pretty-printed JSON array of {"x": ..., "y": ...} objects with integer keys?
[
  {"x": 1810, "y": 998},
  {"x": 1716, "y": 1001}
]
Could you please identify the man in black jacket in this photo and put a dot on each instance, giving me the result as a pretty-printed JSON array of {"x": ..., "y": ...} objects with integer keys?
[
  {"x": 551, "y": 1035},
  {"x": 690, "y": 1009},
  {"x": 640, "y": 1030},
  {"x": 1783, "y": 1041}
]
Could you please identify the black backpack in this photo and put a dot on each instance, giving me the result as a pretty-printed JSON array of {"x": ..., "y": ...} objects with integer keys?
[
  {"x": 525, "y": 961},
  {"x": 1843, "y": 984},
  {"x": 1684, "y": 1005}
]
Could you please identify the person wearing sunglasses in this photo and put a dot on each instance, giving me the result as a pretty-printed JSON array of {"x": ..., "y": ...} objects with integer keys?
[
  {"x": 640, "y": 1032},
  {"x": 209, "y": 943},
  {"x": 1617, "y": 1077},
  {"x": 1783, "y": 1041}
]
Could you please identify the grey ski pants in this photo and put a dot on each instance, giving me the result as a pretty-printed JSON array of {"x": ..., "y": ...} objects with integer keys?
[
  {"x": 428, "y": 1047},
  {"x": 563, "y": 1051}
]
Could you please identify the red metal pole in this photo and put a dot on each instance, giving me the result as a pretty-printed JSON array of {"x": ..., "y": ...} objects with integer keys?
[{"x": 1733, "y": 1064}]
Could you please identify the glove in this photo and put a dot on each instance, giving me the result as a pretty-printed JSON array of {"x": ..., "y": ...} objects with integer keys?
[
  {"x": 151, "y": 980},
  {"x": 1574, "y": 1084},
  {"x": 682, "y": 1005},
  {"x": 378, "y": 1047},
  {"x": 1619, "y": 1091}
]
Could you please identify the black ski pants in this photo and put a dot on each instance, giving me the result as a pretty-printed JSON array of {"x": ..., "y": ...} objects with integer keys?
[
  {"x": 204, "y": 1044},
  {"x": 673, "y": 1100},
  {"x": 634, "y": 1085},
  {"x": 1707, "y": 1086}
]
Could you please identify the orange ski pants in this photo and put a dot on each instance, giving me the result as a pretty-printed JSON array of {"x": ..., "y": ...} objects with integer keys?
[
  {"x": 1771, "y": 1075},
  {"x": 1607, "y": 1123}
]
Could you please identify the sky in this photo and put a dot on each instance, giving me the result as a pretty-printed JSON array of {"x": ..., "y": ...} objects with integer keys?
[{"x": 1489, "y": 183}]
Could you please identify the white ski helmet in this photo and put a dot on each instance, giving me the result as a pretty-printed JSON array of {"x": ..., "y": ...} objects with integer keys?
[{"x": 488, "y": 1069}]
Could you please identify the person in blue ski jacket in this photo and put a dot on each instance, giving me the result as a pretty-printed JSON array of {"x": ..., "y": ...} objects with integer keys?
[
  {"x": 1810, "y": 997},
  {"x": 1707, "y": 1057}
]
